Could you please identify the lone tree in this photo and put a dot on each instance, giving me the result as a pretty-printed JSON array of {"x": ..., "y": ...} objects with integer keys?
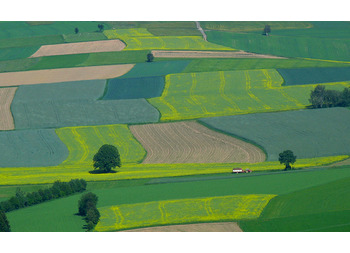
[
  {"x": 287, "y": 157},
  {"x": 101, "y": 27},
  {"x": 107, "y": 158},
  {"x": 76, "y": 30},
  {"x": 267, "y": 30},
  {"x": 150, "y": 57},
  {"x": 4, "y": 223}
]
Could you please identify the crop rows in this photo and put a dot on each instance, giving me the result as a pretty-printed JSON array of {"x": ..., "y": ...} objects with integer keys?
[
  {"x": 181, "y": 211},
  {"x": 190, "y": 142}
]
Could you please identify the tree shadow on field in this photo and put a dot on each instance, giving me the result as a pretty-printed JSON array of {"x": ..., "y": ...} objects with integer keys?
[{"x": 101, "y": 172}]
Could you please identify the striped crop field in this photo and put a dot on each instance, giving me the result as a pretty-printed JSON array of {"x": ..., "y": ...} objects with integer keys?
[
  {"x": 131, "y": 32},
  {"x": 163, "y": 42},
  {"x": 84, "y": 142},
  {"x": 190, "y": 142},
  {"x": 65, "y": 172},
  {"x": 235, "y": 207},
  {"x": 221, "y": 93}
]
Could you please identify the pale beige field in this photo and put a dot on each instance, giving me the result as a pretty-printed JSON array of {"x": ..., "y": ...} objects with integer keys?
[
  {"x": 80, "y": 48},
  {"x": 63, "y": 74},
  {"x": 191, "y": 142},
  {"x": 210, "y": 54},
  {"x": 6, "y": 97},
  {"x": 200, "y": 227}
]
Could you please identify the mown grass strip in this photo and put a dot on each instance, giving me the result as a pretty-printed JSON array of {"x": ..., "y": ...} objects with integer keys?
[
  {"x": 64, "y": 172},
  {"x": 182, "y": 211}
]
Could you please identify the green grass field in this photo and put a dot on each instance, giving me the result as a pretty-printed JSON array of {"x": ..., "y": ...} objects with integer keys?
[
  {"x": 212, "y": 94},
  {"x": 319, "y": 208},
  {"x": 130, "y": 192}
]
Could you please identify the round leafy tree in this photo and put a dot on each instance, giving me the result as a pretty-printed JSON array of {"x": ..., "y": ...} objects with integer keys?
[
  {"x": 287, "y": 157},
  {"x": 107, "y": 158}
]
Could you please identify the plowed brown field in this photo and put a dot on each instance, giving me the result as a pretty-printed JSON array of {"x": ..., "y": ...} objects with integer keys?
[
  {"x": 201, "y": 227},
  {"x": 210, "y": 54},
  {"x": 80, "y": 48},
  {"x": 6, "y": 97},
  {"x": 63, "y": 74},
  {"x": 191, "y": 142}
]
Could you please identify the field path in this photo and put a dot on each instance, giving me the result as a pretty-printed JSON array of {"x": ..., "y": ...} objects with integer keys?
[
  {"x": 6, "y": 97},
  {"x": 199, "y": 227},
  {"x": 191, "y": 142},
  {"x": 211, "y": 54},
  {"x": 80, "y": 48},
  {"x": 201, "y": 30},
  {"x": 63, "y": 75}
]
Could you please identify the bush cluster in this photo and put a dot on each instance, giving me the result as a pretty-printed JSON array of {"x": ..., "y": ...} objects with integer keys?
[
  {"x": 87, "y": 207},
  {"x": 322, "y": 98},
  {"x": 57, "y": 190}
]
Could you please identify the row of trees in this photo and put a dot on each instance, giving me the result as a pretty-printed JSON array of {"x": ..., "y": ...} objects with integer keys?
[
  {"x": 322, "y": 98},
  {"x": 57, "y": 190},
  {"x": 4, "y": 224},
  {"x": 101, "y": 27},
  {"x": 87, "y": 207}
]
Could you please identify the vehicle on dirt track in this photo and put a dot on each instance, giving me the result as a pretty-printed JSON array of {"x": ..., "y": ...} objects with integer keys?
[{"x": 240, "y": 170}]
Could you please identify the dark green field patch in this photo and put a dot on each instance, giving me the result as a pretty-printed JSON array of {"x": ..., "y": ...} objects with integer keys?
[
  {"x": 31, "y": 41},
  {"x": 87, "y": 112},
  {"x": 89, "y": 89},
  {"x": 131, "y": 88},
  {"x": 319, "y": 208},
  {"x": 160, "y": 68},
  {"x": 287, "y": 46},
  {"x": 30, "y": 148},
  {"x": 60, "y": 61},
  {"x": 17, "y": 52},
  {"x": 308, "y": 133},
  {"x": 314, "y": 75}
]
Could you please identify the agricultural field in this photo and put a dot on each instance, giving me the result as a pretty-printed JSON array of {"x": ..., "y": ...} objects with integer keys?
[
  {"x": 220, "y": 93},
  {"x": 190, "y": 142},
  {"x": 215, "y": 96},
  {"x": 308, "y": 134}
]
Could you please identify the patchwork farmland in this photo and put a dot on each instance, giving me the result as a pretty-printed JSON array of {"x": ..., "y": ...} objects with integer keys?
[{"x": 181, "y": 121}]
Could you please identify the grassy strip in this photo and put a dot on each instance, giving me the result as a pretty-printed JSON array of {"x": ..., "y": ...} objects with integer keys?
[
  {"x": 44, "y": 175},
  {"x": 182, "y": 211},
  {"x": 209, "y": 65}
]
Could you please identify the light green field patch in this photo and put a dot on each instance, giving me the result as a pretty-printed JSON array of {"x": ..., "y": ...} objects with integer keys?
[
  {"x": 223, "y": 93},
  {"x": 66, "y": 172},
  {"x": 143, "y": 42},
  {"x": 84, "y": 142},
  {"x": 132, "y": 32},
  {"x": 235, "y": 207}
]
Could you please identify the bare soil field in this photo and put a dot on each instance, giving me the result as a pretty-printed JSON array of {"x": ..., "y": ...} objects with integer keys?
[
  {"x": 80, "y": 48},
  {"x": 200, "y": 227},
  {"x": 63, "y": 74},
  {"x": 191, "y": 142},
  {"x": 210, "y": 54},
  {"x": 6, "y": 97}
]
